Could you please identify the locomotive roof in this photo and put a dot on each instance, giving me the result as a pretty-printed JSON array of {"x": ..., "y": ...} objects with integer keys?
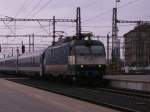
[
  {"x": 83, "y": 42},
  {"x": 74, "y": 41}
]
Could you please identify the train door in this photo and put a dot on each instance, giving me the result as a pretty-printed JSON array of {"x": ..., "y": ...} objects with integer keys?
[
  {"x": 17, "y": 61},
  {"x": 42, "y": 65}
]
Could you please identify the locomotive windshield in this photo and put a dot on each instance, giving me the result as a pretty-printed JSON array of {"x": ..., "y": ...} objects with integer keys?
[{"x": 85, "y": 50}]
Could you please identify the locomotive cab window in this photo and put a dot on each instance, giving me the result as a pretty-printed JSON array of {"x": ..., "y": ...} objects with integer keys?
[{"x": 85, "y": 50}]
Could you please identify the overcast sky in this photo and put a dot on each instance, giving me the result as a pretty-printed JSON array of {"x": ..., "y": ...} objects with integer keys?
[{"x": 96, "y": 14}]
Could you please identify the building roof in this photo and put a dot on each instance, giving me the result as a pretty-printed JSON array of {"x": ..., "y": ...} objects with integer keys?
[{"x": 141, "y": 28}]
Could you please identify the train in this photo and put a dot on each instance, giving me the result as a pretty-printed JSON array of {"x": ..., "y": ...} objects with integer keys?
[{"x": 70, "y": 58}]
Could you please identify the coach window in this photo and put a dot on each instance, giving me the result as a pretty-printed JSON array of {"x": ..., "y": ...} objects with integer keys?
[{"x": 98, "y": 50}]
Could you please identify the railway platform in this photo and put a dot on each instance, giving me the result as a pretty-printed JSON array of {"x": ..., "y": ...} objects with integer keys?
[
  {"x": 134, "y": 82},
  {"x": 21, "y": 98}
]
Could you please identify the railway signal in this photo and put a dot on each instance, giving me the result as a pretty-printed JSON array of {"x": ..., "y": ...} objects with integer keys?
[{"x": 23, "y": 48}]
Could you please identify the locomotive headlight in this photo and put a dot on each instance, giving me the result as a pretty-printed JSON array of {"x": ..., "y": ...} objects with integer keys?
[
  {"x": 99, "y": 66},
  {"x": 82, "y": 66}
]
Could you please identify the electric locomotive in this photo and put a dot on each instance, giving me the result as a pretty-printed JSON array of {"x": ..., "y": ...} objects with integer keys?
[{"x": 75, "y": 59}]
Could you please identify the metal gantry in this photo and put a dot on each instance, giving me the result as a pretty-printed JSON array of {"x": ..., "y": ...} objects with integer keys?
[
  {"x": 77, "y": 20},
  {"x": 133, "y": 21},
  {"x": 53, "y": 20},
  {"x": 10, "y": 19}
]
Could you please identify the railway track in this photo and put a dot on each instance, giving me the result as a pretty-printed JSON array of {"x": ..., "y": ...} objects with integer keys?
[
  {"x": 100, "y": 96},
  {"x": 134, "y": 93}
]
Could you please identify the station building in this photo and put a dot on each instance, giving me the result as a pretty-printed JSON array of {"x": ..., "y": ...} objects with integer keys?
[{"x": 137, "y": 48}]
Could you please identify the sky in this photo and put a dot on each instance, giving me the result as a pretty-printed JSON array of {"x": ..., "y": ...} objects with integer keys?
[{"x": 96, "y": 16}]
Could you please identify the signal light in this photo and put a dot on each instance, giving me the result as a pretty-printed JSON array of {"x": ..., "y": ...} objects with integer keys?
[
  {"x": 23, "y": 49},
  {"x": 0, "y": 48}
]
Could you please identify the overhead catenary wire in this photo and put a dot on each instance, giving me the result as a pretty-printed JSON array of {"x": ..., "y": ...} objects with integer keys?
[
  {"x": 41, "y": 8},
  {"x": 96, "y": 26},
  {"x": 8, "y": 28},
  {"x": 109, "y": 11},
  {"x": 43, "y": 27},
  {"x": 34, "y": 8},
  {"x": 23, "y": 6}
]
